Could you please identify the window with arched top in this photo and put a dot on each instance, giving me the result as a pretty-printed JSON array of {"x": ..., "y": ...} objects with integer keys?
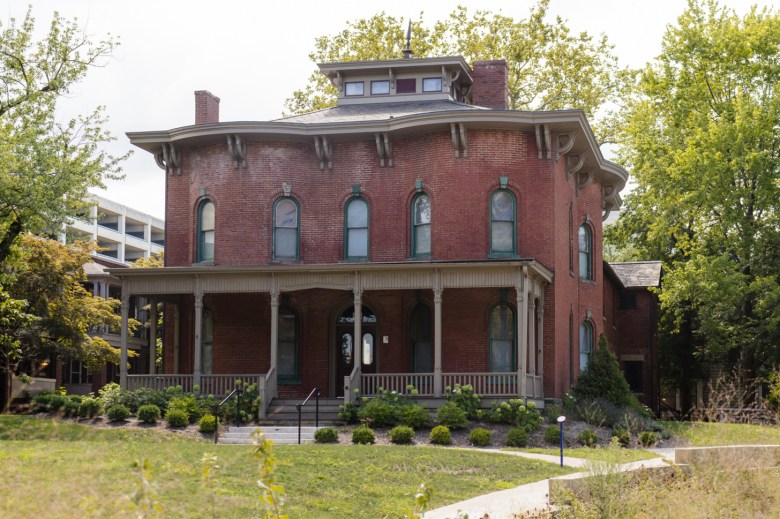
[
  {"x": 288, "y": 358},
  {"x": 502, "y": 338},
  {"x": 422, "y": 340},
  {"x": 503, "y": 223},
  {"x": 585, "y": 241},
  {"x": 586, "y": 344},
  {"x": 421, "y": 225},
  {"x": 286, "y": 229},
  {"x": 356, "y": 231},
  {"x": 206, "y": 226}
]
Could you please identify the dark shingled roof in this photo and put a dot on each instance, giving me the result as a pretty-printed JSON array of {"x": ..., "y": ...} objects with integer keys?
[
  {"x": 376, "y": 111},
  {"x": 638, "y": 273}
]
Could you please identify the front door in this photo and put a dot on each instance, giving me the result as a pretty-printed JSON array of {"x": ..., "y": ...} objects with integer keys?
[{"x": 346, "y": 343}]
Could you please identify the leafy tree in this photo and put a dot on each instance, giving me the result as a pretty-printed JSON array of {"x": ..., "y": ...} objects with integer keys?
[
  {"x": 156, "y": 260},
  {"x": 549, "y": 67},
  {"x": 46, "y": 166},
  {"x": 700, "y": 137},
  {"x": 46, "y": 310}
]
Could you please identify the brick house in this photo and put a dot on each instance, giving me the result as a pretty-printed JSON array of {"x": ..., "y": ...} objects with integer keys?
[{"x": 419, "y": 233}]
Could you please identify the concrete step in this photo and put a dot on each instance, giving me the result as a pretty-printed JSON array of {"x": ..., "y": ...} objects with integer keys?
[{"x": 278, "y": 434}]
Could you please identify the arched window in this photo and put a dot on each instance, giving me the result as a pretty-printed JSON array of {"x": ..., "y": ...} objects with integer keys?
[
  {"x": 206, "y": 342},
  {"x": 422, "y": 340},
  {"x": 503, "y": 211},
  {"x": 286, "y": 229},
  {"x": 586, "y": 344},
  {"x": 586, "y": 251},
  {"x": 206, "y": 231},
  {"x": 421, "y": 225},
  {"x": 356, "y": 233},
  {"x": 502, "y": 338},
  {"x": 288, "y": 360}
]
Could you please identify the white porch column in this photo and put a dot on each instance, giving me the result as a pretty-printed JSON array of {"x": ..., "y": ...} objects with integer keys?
[
  {"x": 124, "y": 311},
  {"x": 532, "y": 334},
  {"x": 357, "y": 341},
  {"x": 522, "y": 333},
  {"x": 437, "y": 373},
  {"x": 176, "y": 324},
  {"x": 153, "y": 336},
  {"x": 274, "y": 326},
  {"x": 540, "y": 334},
  {"x": 197, "y": 344}
]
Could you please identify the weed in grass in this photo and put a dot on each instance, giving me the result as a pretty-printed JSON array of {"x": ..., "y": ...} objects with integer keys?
[
  {"x": 273, "y": 494},
  {"x": 210, "y": 479},
  {"x": 144, "y": 502},
  {"x": 421, "y": 500}
]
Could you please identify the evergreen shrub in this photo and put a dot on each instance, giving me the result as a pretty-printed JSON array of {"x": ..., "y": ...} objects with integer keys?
[
  {"x": 401, "y": 434},
  {"x": 117, "y": 413},
  {"x": 451, "y": 415},
  {"x": 441, "y": 435},
  {"x": 207, "y": 423},
  {"x": 177, "y": 418},
  {"x": 326, "y": 435},
  {"x": 588, "y": 438},
  {"x": 517, "y": 437},
  {"x": 363, "y": 435},
  {"x": 552, "y": 434},
  {"x": 480, "y": 437},
  {"x": 149, "y": 413}
]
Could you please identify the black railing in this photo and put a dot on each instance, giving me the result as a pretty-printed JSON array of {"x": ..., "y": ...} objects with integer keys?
[
  {"x": 316, "y": 393},
  {"x": 237, "y": 392}
]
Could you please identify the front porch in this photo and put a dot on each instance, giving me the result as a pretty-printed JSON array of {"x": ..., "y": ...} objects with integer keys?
[{"x": 250, "y": 305}]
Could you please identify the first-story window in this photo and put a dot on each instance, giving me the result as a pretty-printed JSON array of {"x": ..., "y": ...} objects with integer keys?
[
  {"x": 206, "y": 342},
  {"x": 502, "y": 338},
  {"x": 78, "y": 373},
  {"x": 287, "y": 341},
  {"x": 356, "y": 229},
  {"x": 421, "y": 225},
  {"x": 206, "y": 227},
  {"x": 586, "y": 344},
  {"x": 286, "y": 229}
]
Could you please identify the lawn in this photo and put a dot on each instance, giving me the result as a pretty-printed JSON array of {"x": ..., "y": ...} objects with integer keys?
[
  {"x": 705, "y": 434},
  {"x": 598, "y": 454},
  {"x": 78, "y": 471}
]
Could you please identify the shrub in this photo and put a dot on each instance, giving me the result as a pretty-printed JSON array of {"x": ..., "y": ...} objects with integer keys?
[
  {"x": 349, "y": 412},
  {"x": 89, "y": 407},
  {"x": 465, "y": 398},
  {"x": 111, "y": 394},
  {"x": 480, "y": 437},
  {"x": 588, "y": 438},
  {"x": 592, "y": 412},
  {"x": 177, "y": 418},
  {"x": 56, "y": 402},
  {"x": 517, "y": 437},
  {"x": 414, "y": 416},
  {"x": 552, "y": 434},
  {"x": 401, "y": 434},
  {"x": 552, "y": 411},
  {"x": 71, "y": 406},
  {"x": 632, "y": 421},
  {"x": 147, "y": 396},
  {"x": 250, "y": 404},
  {"x": 326, "y": 435},
  {"x": 207, "y": 423},
  {"x": 149, "y": 413},
  {"x": 379, "y": 412},
  {"x": 188, "y": 404},
  {"x": 451, "y": 415},
  {"x": 623, "y": 436},
  {"x": 516, "y": 412},
  {"x": 648, "y": 439},
  {"x": 42, "y": 400},
  {"x": 440, "y": 435},
  {"x": 117, "y": 413},
  {"x": 363, "y": 435}
]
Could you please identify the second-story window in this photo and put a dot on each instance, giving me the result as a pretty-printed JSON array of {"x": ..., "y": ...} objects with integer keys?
[
  {"x": 356, "y": 232},
  {"x": 380, "y": 88},
  {"x": 421, "y": 225},
  {"x": 286, "y": 230},
  {"x": 585, "y": 240},
  {"x": 354, "y": 88},
  {"x": 502, "y": 223},
  {"x": 206, "y": 231},
  {"x": 432, "y": 84}
]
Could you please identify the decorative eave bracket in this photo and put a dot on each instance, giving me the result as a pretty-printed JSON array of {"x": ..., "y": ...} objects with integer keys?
[
  {"x": 610, "y": 200},
  {"x": 584, "y": 179},
  {"x": 169, "y": 159},
  {"x": 574, "y": 164},
  {"x": 565, "y": 144},
  {"x": 384, "y": 148},
  {"x": 324, "y": 150},
  {"x": 237, "y": 149},
  {"x": 543, "y": 141},
  {"x": 460, "y": 140}
]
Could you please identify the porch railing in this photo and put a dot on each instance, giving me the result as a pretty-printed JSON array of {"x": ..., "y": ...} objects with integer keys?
[
  {"x": 217, "y": 385},
  {"x": 351, "y": 382},
  {"x": 221, "y": 385},
  {"x": 267, "y": 389},
  {"x": 422, "y": 382},
  {"x": 160, "y": 382},
  {"x": 485, "y": 384}
]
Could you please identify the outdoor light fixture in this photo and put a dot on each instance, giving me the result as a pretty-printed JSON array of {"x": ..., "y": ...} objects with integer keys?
[{"x": 561, "y": 419}]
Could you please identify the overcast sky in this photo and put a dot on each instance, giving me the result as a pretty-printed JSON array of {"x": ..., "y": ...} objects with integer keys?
[{"x": 253, "y": 54}]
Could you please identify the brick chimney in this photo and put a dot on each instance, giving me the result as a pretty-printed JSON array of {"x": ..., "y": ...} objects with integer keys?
[
  {"x": 206, "y": 107},
  {"x": 491, "y": 84}
]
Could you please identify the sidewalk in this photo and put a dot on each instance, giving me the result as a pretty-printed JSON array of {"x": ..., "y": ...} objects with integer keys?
[{"x": 505, "y": 503}]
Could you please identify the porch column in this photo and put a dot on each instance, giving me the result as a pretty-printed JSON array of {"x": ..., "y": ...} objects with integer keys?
[
  {"x": 437, "y": 374},
  {"x": 153, "y": 336},
  {"x": 522, "y": 333},
  {"x": 357, "y": 342},
  {"x": 124, "y": 311},
  {"x": 176, "y": 323},
  {"x": 197, "y": 344},
  {"x": 274, "y": 327},
  {"x": 532, "y": 334},
  {"x": 540, "y": 338}
]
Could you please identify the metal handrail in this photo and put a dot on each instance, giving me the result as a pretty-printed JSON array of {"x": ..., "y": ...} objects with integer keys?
[
  {"x": 316, "y": 393},
  {"x": 237, "y": 391}
]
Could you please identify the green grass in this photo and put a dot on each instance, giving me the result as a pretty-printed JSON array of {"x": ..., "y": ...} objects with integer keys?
[
  {"x": 81, "y": 471},
  {"x": 705, "y": 434},
  {"x": 597, "y": 454}
]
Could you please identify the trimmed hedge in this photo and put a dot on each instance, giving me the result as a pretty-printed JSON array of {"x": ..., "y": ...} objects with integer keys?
[
  {"x": 326, "y": 435},
  {"x": 441, "y": 435},
  {"x": 401, "y": 434},
  {"x": 363, "y": 435},
  {"x": 149, "y": 413},
  {"x": 117, "y": 413}
]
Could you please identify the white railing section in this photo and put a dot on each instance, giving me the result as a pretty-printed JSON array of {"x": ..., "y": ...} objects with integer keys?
[
  {"x": 222, "y": 385},
  {"x": 159, "y": 381},
  {"x": 422, "y": 382},
  {"x": 351, "y": 382},
  {"x": 485, "y": 384},
  {"x": 267, "y": 387}
]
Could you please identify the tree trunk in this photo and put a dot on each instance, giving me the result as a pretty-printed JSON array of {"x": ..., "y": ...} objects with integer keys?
[{"x": 14, "y": 230}]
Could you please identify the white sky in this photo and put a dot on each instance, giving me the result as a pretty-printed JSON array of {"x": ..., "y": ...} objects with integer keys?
[{"x": 253, "y": 54}]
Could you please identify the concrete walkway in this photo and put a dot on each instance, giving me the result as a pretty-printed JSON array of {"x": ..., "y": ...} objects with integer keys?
[{"x": 506, "y": 503}]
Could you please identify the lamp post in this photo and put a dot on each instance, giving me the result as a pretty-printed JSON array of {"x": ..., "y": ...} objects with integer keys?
[{"x": 561, "y": 419}]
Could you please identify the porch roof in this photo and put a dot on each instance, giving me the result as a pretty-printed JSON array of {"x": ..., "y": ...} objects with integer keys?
[{"x": 340, "y": 276}]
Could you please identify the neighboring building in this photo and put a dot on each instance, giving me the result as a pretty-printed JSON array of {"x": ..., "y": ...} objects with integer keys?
[{"x": 418, "y": 233}]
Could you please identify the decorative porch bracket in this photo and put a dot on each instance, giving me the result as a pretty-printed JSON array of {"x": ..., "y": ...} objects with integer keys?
[
  {"x": 460, "y": 140},
  {"x": 168, "y": 159},
  {"x": 324, "y": 150}
]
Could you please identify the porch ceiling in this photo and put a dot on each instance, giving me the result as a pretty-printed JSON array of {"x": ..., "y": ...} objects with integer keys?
[{"x": 370, "y": 276}]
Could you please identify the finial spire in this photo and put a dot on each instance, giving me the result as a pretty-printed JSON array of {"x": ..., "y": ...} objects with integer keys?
[{"x": 408, "y": 50}]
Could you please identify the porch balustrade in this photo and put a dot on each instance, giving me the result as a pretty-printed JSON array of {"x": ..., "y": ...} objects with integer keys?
[
  {"x": 159, "y": 382},
  {"x": 222, "y": 385},
  {"x": 217, "y": 385},
  {"x": 486, "y": 384},
  {"x": 422, "y": 382}
]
